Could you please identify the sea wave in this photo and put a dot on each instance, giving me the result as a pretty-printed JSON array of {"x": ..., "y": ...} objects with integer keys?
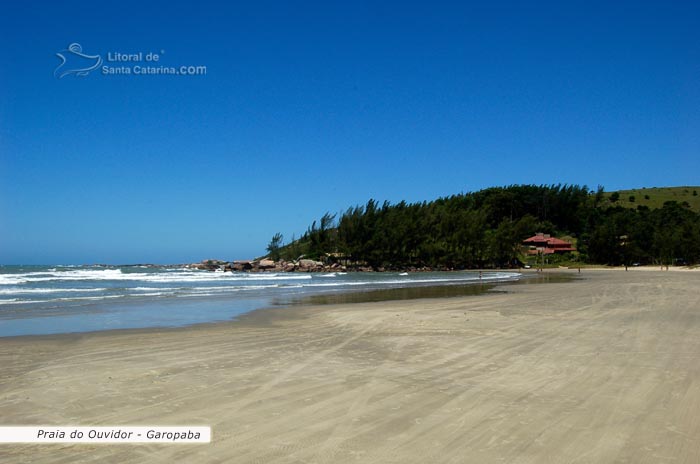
[
  {"x": 54, "y": 284},
  {"x": 118, "y": 275},
  {"x": 16, "y": 291}
]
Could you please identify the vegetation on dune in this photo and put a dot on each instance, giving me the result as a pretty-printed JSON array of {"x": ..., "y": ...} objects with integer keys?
[{"x": 486, "y": 229}]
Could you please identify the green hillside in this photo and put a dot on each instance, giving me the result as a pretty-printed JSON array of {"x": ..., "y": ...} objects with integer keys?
[
  {"x": 655, "y": 197},
  {"x": 486, "y": 228}
]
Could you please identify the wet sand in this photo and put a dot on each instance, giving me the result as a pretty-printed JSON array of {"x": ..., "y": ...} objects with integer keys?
[{"x": 599, "y": 370}]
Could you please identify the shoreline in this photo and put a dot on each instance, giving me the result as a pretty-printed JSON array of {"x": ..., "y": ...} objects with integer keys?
[
  {"x": 219, "y": 302},
  {"x": 294, "y": 303},
  {"x": 418, "y": 292},
  {"x": 602, "y": 369}
]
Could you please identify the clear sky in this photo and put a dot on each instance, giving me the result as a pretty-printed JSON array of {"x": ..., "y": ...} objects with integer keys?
[{"x": 308, "y": 107}]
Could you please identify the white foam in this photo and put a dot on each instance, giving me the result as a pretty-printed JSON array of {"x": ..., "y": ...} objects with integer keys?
[
  {"x": 118, "y": 275},
  {"x": 180, "y": 283},
  {"x": 19, "y": 291},
  {"x": 77, "y": 298},
  {"x": 102, "y": 297}
]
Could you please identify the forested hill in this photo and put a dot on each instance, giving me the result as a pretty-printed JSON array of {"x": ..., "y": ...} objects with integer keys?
[{"x": 486, "y": 228}]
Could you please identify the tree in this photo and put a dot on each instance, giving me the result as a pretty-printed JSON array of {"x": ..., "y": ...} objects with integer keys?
[
  {"x": 486, "y": 228},
  {"x": 599, "y": 195},
  {"x": 274, "y": 246}
]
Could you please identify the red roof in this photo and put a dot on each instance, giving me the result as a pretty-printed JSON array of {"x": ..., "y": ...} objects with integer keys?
[{"x": 548, "y": 242}]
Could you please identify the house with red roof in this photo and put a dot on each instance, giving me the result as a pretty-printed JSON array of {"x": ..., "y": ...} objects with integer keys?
[{"x": 547, "y": 245}]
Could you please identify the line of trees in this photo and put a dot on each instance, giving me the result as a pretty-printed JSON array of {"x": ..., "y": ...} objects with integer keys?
[{"x": 486, "y": 229}]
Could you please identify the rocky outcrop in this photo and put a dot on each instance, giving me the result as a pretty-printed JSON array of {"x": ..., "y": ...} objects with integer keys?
[
  {"x": 242, "y": 266},
  {"x": 267, "y": 265},
  {"x": 309, "y": 265},
  {"x": 300, "y": 265},
  {"x": 210, "y": 265}
]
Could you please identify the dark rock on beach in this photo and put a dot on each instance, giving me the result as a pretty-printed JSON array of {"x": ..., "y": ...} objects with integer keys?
[{"x": 268, "y": 265}]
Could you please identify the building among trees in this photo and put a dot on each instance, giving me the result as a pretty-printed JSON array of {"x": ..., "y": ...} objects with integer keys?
[{"x": 546, "y": 244}]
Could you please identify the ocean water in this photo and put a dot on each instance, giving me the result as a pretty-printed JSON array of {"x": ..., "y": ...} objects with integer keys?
[{"x": 62, "y": 299}]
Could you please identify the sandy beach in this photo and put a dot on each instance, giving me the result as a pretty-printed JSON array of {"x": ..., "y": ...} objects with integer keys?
[{"x": 599, "y": 370}]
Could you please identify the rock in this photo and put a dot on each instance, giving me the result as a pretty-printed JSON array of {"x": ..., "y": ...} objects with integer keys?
[
  {"x": 242, "y": 266},
  {"x": 268, "y": 265},
  {"x": 210, "y": 264},
  {"x": 308, "y": 264}
]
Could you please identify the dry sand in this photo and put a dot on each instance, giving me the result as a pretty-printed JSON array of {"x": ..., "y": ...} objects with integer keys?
[{"x": 606, "y": 369}]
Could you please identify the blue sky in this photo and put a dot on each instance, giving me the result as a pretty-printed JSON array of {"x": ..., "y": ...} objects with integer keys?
[{"x": 316, "y": 106}]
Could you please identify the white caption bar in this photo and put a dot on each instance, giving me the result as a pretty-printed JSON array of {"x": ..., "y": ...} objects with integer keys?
[{"x": 154, "y": 434}]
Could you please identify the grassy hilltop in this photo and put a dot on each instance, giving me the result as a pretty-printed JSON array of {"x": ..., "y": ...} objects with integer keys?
[{"x": 655, "y": 197}]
